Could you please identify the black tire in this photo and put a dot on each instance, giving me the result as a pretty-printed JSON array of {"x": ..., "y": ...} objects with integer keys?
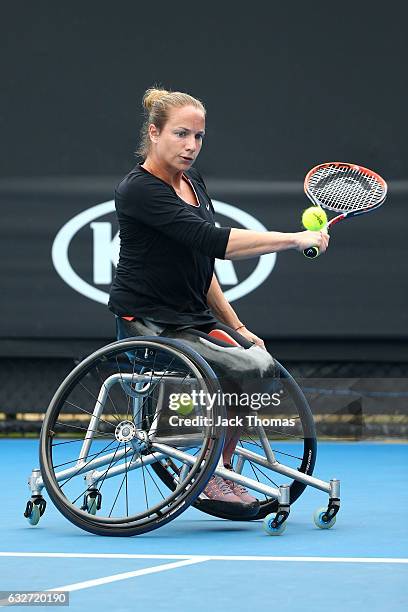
[
  {"x": 149, "y": 353},
  {"x": 306, "y": 465}
]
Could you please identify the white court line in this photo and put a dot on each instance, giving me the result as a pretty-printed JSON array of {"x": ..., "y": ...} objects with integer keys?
[
  {"x": 125, "y": 575},
  {"x": 208, "y": 557}
]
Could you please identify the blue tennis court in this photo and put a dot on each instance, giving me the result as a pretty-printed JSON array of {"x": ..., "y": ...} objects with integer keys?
[
  {"x": 209, "y": 563},
  {"x": 183, "y": 186}
]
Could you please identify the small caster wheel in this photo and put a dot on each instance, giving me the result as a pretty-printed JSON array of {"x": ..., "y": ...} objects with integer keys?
[
  {"x": 318, "y": 519},
  {"x": 92, "y": 502},
  {"x": 91, "y": 505},
  {"x": 32, "y": 512},
  {"x": 271, "y": 528}
]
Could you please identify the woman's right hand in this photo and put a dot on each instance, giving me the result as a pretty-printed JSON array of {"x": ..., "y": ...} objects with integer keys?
[{"x": 307, "y": 239}]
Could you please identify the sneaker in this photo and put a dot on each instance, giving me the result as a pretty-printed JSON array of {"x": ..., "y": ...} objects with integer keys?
[
  {"x": 218, "y": 489},
  {"x": 218, "y": 499},
  {"x": 239, "y": 490}
]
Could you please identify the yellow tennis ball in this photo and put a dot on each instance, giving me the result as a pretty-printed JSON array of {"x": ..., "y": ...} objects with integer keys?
[
  {"x": 314, "y": 218},
  {"x": 185, "y": 404}
]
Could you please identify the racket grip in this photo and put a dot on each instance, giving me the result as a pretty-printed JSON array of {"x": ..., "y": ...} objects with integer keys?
[{"x": 311, "y": 252}]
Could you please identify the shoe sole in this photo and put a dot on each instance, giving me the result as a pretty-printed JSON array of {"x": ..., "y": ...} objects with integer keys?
[{"x": 231, "y": 508}]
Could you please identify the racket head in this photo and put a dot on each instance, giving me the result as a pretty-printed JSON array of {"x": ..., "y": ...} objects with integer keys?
[{"x": 345, "y": 188}]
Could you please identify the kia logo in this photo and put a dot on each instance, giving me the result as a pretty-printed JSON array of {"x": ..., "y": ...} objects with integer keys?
[{"x": 106, "y": 252}]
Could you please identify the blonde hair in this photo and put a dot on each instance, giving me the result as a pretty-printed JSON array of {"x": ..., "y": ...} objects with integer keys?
[{"x": 157, "y": 104}]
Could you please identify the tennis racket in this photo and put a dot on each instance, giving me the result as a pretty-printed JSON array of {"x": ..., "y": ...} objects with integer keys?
[{"x": 347, "y": 189}]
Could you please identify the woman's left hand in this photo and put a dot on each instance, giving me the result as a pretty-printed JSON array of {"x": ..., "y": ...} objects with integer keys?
[{"x": 252, "y": 337}]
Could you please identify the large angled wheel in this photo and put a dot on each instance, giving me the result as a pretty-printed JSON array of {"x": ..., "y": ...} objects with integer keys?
[
  {"x": 293, "y": 445},
  {"x": 111, "y": 427}
]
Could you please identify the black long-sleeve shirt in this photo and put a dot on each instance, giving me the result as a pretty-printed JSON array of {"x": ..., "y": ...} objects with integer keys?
[{"x": 167, "y": 250}]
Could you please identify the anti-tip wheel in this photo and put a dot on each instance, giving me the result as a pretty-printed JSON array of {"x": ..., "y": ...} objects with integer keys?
[
  {"x": 91, "y": 506},
  {"x": 318, "y": 519},
  {"x": 92, "y": 502},
  {"x": 270, "y": 529},
  {"x": 32, "y": 513}
]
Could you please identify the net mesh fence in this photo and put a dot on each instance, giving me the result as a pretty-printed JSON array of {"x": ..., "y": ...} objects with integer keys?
[{"x": 349, "y": 400}]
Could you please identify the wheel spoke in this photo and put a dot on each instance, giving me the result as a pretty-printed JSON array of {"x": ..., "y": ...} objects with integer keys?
[
  {"x": 100, "y": 433},
  {"x": 120, "y": 488},
  {"x": 126, "y": 486},
  {"x": 87, "y": 412},
  {"x": 155, "y": 384},
  {"x": 144, "y": 483},
  {"x": 256, "y": 467},
  {"x": 85, "y": 465},
  {"x": 76, "y": 459},
  {"x": 108, "y": 393},
  {"x": 131, "y": 383},
  {"x": 72, "y": 441},
  {"x": 157, "y": 487},
  {"x": 279, "y": 452}
]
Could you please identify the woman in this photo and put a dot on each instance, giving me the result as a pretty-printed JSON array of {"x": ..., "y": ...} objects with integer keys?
[{"x": 165, "y": 277}]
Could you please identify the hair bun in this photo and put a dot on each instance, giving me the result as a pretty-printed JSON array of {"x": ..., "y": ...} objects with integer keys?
[{"x": 151, "y": 95}]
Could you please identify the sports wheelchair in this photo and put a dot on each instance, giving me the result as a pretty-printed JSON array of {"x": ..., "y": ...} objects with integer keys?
[{"x": 117, "y": 458}]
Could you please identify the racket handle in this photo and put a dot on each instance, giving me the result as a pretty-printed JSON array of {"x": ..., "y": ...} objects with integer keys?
[{"x": 311, "y": 252}]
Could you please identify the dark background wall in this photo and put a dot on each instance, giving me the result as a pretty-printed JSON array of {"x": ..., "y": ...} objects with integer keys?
[{"x": 286, "y": 86}]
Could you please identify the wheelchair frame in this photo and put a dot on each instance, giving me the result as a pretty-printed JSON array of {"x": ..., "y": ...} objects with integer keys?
[{"x": 137, "y": 386}]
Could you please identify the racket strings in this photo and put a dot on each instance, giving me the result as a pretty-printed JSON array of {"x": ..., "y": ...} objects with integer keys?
[
  {"x": 347, "y": 190},
  {"x": 342, "y": 188}
]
